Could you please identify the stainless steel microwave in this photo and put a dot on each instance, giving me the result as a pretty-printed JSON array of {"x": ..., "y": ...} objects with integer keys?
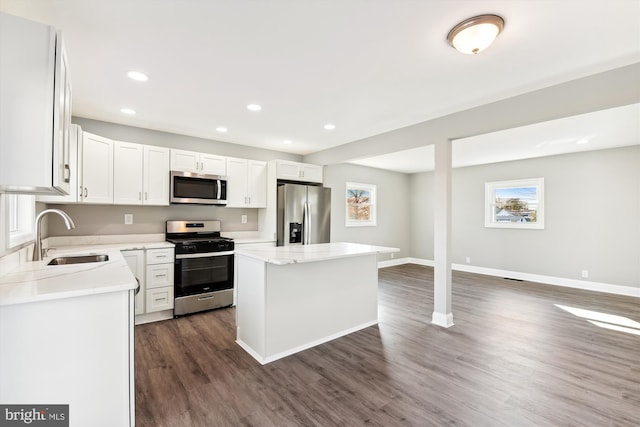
[{"x": 197, "y": 188}]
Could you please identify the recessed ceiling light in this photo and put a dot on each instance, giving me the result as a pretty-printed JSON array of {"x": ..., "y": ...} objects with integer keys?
[
  {"x": 222, "y": 129},
  {"x": 128, "y": 111},
  {"x": 138, "y": 76},
  {"x": 254, "y": 107},
  {"x": 287, "y": 141},
  {"x": 329, "y": 126}
]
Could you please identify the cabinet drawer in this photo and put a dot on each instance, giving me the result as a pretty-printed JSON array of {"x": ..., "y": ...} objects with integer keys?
[
  {"x": 159, "y": 256},
  {"x": 159, "y": 299},
  {"x": 159, "y": 275}
]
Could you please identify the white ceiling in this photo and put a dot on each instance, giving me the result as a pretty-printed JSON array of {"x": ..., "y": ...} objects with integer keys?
[{"x": 369, "y": 66}]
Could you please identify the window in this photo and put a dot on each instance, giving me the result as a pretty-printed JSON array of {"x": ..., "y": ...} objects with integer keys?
[{"x": 20, "y": 217}]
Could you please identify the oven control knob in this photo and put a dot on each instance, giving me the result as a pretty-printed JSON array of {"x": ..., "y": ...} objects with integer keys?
[{"x": 189, "y": 248}]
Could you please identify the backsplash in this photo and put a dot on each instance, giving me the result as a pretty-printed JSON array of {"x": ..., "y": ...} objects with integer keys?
[{"x": 109, "y": 219}]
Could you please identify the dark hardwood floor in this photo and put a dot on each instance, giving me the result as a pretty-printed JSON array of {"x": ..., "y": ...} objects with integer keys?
[{"x": 513, "y": 358}]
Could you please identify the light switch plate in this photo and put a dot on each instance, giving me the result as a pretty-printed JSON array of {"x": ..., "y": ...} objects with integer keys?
[{"x": 244, "y": 219}]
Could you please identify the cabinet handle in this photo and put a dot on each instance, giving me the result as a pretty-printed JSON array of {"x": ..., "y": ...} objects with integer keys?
[
  {"x": 161, "y": 275},
  {"x": 206, "y": 298},
  {"x": 160, "y": 299},
  {"x": 86, "y": 192},
  {"x": 67, "y": 173},
  {"x": 161, "y": 256}
]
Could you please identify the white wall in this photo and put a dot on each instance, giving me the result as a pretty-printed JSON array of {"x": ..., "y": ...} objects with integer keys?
[
  {"x": 393, "y": 213},
  {"x": 592, "y": 217}
]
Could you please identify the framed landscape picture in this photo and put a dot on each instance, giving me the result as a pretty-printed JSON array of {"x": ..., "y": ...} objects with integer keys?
[
  {"x": 360, "y": 205},
  {"x": 515, "y": 204}
]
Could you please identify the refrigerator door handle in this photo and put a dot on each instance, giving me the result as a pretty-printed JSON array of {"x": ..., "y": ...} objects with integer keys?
[{"x": 305, "y": 224}]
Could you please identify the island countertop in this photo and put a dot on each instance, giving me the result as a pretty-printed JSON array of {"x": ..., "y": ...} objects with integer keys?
[{"x": 282, "y": 255}]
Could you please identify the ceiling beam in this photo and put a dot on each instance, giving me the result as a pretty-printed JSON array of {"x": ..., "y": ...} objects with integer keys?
[{"x": 609, "y": 89}]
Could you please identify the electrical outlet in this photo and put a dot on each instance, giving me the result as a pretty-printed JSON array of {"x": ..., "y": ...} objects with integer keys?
[
  {"x": 128, "y": 219},
  {"x": 468, "y": 259},
  {"x": 585, "y": 274},
  {"x": 393, "y": 255},
  {"x": 244, "y": 219}
]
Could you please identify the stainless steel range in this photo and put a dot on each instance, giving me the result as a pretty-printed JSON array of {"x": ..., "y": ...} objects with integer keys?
[{"x": 203, "y": 266}]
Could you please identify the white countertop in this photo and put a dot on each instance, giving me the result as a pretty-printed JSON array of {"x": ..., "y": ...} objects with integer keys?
[
  {"x": 36, "y": 281},
  {"x": 282, "y": 255}
]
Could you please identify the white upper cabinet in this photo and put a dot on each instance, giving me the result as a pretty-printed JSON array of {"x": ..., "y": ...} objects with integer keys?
[
  {"x": 127, "y": 173},
  {"x": 246, "y": 183},
  {"x": 191, "y": 161},
  {"x": 257, "y": 183},
  {"x": 155, "y": 184},
  {"x": 140, "y": 174},
  {"x": 75, "y": 142},
  {"x": 97, "y": 169},
  {"x": 35, "y": 108},
  {"x": 294, "y": 171}
]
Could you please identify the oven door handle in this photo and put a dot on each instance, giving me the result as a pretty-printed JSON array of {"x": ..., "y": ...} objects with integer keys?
[{"x": 204, "y": 255}]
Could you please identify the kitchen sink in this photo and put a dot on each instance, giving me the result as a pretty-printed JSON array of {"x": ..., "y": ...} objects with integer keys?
[{"x": 64, "y": 260}]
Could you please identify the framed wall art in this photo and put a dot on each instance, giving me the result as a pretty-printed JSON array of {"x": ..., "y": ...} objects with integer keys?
[
  {"x": 360, "y": 205},
  {"x": 515, "y": 204}
]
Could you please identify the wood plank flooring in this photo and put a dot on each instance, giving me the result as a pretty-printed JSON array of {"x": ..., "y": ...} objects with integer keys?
[{"x": 513, "y": 358}]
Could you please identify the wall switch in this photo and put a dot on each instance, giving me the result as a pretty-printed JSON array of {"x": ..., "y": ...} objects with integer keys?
[
  {"x": 244, "y": 219},
  {"x": 128, "y": 219},
  {"x": 585, "y": 274},
  {"x": 393, "y": 255},
  {"x": 468, "y": 260}
]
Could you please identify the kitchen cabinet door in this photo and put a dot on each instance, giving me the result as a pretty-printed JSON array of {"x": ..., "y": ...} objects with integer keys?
[
  {"x": 127, "y": 173},
  {"x": 35, "y": 108},
  {"x": 213, "y": 165},
  {"x": 236, "y": 182},
  {"x": 135, "y": 261},
  {"x": 75, "y": 143},
  {"x": 311, "y": 173},
  {"x": 257, "y": 184},
  {"x": 97, "y": 169},
  {"x": 156, "y": 176},
  {"x": 186, "y": 161},
  {"x": 246, "y": 183},
  {"x": 302, "y": 172}
]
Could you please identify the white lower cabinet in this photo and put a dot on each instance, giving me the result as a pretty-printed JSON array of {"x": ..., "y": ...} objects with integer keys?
[
  {"x": 159, "y": 299},
  {"x": 76, "y": 351},
  {"x": 159, "y": 287},
  {"x": 154, "y": 270}
]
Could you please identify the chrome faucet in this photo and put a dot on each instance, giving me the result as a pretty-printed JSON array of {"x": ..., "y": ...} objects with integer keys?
[{"x": 38, "y": 252}]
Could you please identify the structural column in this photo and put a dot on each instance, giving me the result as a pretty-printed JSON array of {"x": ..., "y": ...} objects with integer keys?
[{"x": 442, "y": 314}]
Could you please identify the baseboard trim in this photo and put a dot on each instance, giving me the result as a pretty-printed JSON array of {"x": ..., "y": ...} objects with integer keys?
[{"x": 539, "y": 278}]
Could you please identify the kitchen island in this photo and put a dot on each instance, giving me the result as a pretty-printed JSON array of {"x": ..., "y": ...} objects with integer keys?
[{"x": 291, "y": 298}]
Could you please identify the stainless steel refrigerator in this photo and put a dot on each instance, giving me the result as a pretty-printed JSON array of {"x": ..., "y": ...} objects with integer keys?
[{"x": 304, "y": 214}]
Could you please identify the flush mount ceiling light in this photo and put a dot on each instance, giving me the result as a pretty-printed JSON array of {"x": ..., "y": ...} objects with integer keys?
[
  {"x": 221, "y": 129},
  {"x": 128, "y": 111},
  {"x": 475, "y": 34},
  {"x": 329, "y": 126},
  {"x": 287, "y": 142},
  {"x": 138, "y": 76},
  {"x": 254, "y": 107}
]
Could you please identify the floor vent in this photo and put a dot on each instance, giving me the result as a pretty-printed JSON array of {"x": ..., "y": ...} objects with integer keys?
[{"x": 515, "y": 280}]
